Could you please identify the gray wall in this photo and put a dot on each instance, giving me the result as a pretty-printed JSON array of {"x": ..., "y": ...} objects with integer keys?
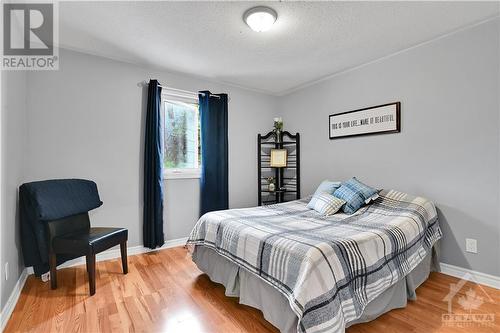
[
  {"x": 86, "y": 120},
  {"x": 14, "y": 140},
  {"x": 448, "y": 148}
]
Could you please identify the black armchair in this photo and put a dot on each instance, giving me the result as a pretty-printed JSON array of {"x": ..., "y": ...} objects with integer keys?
[
  {"x": 74, "y": 236},
  {"x": 55, "y": 226}
]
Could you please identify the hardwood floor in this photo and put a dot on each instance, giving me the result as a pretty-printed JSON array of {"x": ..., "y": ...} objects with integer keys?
[{"x": 165, "y": 292}]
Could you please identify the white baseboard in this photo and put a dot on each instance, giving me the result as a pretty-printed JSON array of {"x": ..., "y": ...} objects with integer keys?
[
  {"x": 12, "y": 301},
  {"x": 106, "y": 255},
  {"x": 115, "y": 253},
  {"x": 468, "y": 274}
]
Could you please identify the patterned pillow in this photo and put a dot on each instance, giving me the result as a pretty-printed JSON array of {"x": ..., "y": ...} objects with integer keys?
[
  {"x": 355, "y": 193},
  {"x": 327, "y": 186},
  {"x": 367, "y": 191},
  {"x": 325, "y": 203},
  {"x": 354, "y": 199}
]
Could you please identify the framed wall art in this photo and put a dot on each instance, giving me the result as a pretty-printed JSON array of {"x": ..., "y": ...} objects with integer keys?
[{"x": 378, "y": 119}]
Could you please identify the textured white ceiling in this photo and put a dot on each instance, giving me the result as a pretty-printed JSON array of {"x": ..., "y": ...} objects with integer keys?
[{"x": 310, "y": 40}]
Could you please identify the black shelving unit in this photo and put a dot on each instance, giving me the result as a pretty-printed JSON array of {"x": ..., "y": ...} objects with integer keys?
[{"x": 287, "y": 179}]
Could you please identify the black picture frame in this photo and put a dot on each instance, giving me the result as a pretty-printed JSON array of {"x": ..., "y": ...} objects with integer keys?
[{"x": 396, "y": 130}]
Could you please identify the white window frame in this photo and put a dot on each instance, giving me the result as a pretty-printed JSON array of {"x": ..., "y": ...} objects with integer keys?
[{"x": 181, "y": 173}]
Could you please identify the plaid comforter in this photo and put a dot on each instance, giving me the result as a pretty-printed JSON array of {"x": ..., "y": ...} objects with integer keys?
[{"x": 328, "y": 268}]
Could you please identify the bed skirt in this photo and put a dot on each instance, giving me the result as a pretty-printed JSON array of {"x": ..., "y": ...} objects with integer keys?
[{"x": 257, "y": 293}]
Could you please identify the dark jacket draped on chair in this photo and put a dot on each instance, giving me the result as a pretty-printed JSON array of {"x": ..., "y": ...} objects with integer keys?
[{"x": 50, "y": 200}]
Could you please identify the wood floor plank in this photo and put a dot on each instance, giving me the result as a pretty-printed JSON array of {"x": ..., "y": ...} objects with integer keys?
[{"x": 165, "y": 292}]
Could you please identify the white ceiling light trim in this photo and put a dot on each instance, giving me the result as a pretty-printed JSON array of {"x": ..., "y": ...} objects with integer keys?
[{"x": 260, "y": 18}]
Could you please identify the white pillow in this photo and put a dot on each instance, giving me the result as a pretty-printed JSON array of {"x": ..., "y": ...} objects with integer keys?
[
  {"x": 372, "y": 198},
  {"x": 325, "y": 203}
]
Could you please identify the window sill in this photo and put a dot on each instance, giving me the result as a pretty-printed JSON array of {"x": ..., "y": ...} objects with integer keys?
[{"x": 181, "y": 174}]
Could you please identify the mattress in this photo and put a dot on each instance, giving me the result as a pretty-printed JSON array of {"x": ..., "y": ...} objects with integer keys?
[
  {"x": 254, "y": 292},
  {"x": 328, "y": 268}
]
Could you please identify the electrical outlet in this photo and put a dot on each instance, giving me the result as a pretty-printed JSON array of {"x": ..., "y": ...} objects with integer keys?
[
  {"x": 471, "y": 245},
  {"x": 45, "y": 277},
  {"x": 6, "y": 271}
]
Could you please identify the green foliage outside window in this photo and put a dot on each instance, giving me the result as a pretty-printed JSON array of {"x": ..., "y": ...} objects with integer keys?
[{"x": 181, "y": 136}]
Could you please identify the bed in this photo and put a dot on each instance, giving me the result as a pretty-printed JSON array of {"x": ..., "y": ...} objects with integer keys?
[{"x": 310, "y": 273}]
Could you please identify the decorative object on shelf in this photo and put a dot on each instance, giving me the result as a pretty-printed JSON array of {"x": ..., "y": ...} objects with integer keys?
[
  {"x": 378, "y": 119},
  {"x": 278, "y": 159},
  {"x": 278, "y": 127},
  {"x": 271, "y": 185}
]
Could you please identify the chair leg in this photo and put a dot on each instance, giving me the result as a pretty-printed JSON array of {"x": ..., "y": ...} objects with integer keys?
[
  {"x": 87, "y": 259},
  {"x": 91, "y": 270},
  {"x": 123, "y": 250},
  {"x": 53, "y": 270}
]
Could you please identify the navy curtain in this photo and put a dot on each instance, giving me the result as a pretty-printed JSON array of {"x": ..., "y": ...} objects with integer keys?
[
  {"x": 153, "y": 195},
  {"x": 214, "y": 152}
]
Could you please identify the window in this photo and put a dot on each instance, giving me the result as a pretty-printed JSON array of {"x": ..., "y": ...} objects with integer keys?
[{"x": 181, "y": 134}]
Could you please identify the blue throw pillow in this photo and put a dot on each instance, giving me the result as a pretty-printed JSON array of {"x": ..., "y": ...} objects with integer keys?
[
  {"x": 367, "y": 191},
  {"x": 327, "y": 186},
  {"x": 355, "y": 194},
  {"x": 354, "y": 200}
]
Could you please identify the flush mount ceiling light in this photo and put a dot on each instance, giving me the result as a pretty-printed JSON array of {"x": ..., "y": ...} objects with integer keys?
[{"x": 260, "y": 18}]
